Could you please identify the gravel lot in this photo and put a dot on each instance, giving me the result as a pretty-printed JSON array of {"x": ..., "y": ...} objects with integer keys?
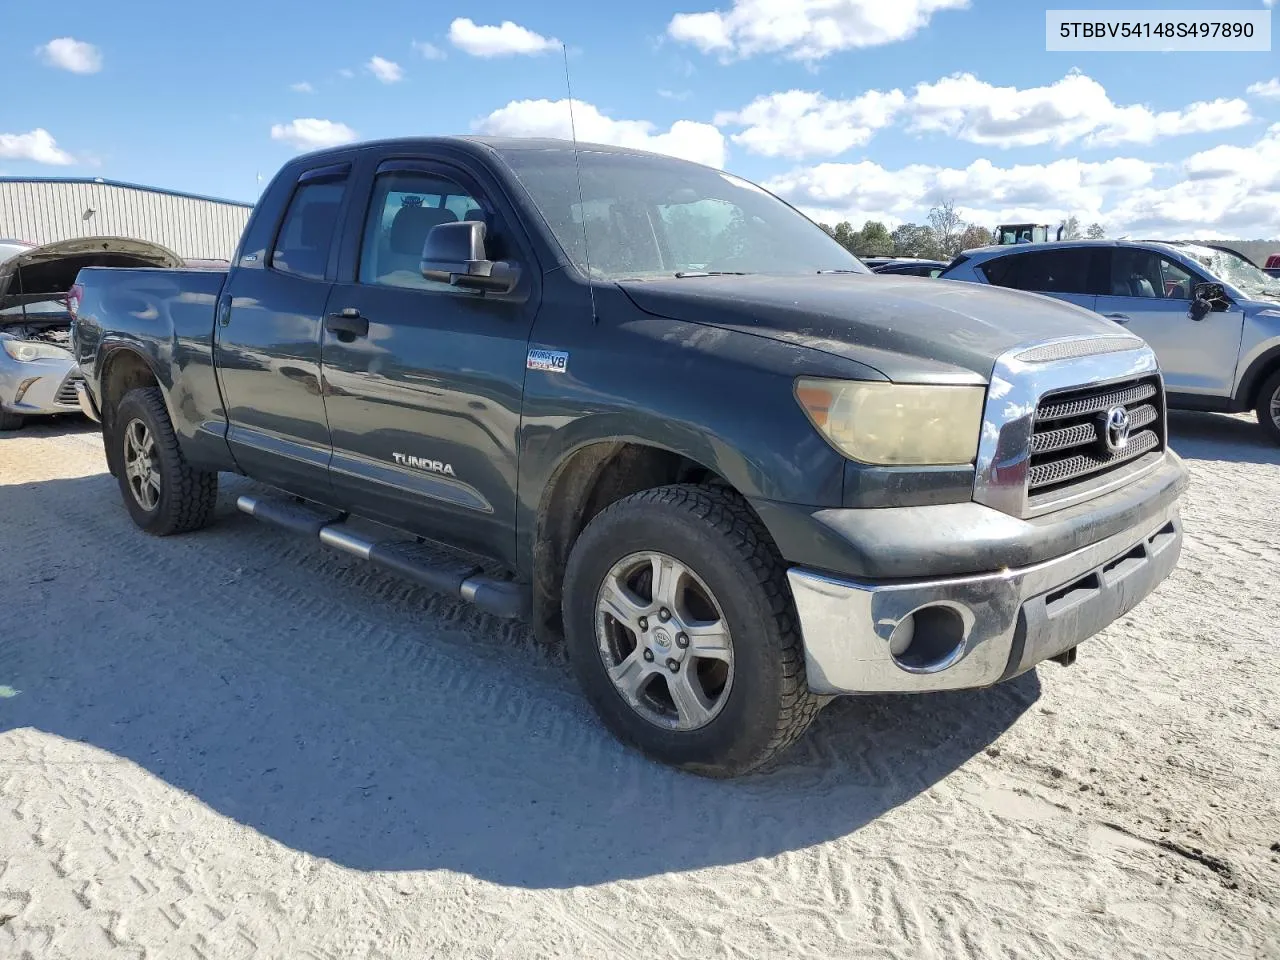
[{"x": 240, "y": 744}]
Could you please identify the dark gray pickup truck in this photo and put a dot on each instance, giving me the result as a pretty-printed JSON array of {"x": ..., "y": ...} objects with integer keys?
[{"x": 659, "y": 412}]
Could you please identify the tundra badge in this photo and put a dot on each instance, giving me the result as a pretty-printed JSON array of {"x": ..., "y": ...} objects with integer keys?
[
  {"x": 431, "y": 466},
  {"x": 552, "y": 361}
]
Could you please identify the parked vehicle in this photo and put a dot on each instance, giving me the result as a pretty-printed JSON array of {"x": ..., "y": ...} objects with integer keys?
[
  {"x": 911, "y": 268},
  {"x": 37, "y": 372},
  {"x": 739, "y": 474},
  {"x": 1272, "y": 269},
  {"x": 1212, "y": 317},
  {"x": 1011, "y": 233}
]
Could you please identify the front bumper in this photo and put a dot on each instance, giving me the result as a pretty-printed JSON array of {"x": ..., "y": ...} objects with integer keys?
[
  {"x": 38, "y": 387},
  {"x": 973, "y": 631}
]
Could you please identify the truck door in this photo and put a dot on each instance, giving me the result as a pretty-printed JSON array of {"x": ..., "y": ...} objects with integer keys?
[
  {"x": 1150, "y": 295},
  {"x": 423, "y": 381},
  {"x": 268, "y": 341}
]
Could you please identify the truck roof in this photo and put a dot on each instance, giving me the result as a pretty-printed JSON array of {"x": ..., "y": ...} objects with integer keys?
[{"x": 492, "y": 144}]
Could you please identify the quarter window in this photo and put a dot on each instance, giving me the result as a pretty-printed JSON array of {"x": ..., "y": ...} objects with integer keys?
[
  {"x": 306, "y": 235},
  {"x": 405, "y": 207}
]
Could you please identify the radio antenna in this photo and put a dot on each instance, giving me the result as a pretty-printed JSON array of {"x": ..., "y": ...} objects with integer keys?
[{"x": 577, "y": 169}]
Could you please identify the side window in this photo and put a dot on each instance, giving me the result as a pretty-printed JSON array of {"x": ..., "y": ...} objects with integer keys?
[
  {"x": 306, "y": 235},
  {"x": 1044, "y": 271},
  {"x": 405, "y": 206},
  {"x": 1177, "y": 282},
  {"x": 1136, "y": 273}
]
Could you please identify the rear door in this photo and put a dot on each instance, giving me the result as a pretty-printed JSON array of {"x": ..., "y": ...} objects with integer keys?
[
  {"x": 1150, "y": 294},
  {"x": 268, "y": 341},
  {"x": 1068, "y": 273},
  {"x": 424, "y": 397}
]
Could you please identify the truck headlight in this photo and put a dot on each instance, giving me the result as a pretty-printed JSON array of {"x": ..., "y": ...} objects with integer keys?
[
  {"x": 895, "y": 423},
  {"x": 27, "y": 350}
]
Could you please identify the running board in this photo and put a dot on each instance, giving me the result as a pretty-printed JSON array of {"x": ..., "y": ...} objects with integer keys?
[{"x": 409, "y": 559}]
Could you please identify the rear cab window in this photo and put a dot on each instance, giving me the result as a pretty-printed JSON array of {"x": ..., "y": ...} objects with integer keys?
[
  {"x": 1044, "y": 271},
  {"x": 306, "y": 235}
]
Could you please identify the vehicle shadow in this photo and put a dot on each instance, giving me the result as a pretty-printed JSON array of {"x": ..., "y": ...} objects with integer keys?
[
  {"x": 1217, "y": 436},
  {"x": 57, "y": 425},
  {"x": 356, "y": 718}
]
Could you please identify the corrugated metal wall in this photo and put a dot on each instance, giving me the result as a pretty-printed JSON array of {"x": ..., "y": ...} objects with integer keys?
[{"x": 194, "y": 228}]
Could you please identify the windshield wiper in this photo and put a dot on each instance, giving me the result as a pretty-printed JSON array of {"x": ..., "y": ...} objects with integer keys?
[
  {"x": 682, "y": 274},
  {"x": 840, "y": 271}
]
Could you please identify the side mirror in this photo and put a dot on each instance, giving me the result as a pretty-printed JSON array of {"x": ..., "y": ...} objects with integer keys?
[
  {"x": 1206, "y": 298},
  {"x": 454, "y": 253}
]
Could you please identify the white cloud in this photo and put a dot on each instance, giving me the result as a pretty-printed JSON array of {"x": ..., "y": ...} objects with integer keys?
[
  {"x": 675, "y": 94},
  {"x": 700, "y": 142},
  {"x": 429, "y": 51},
  {"x": 310, "y": 134},
  {"x": 302, "y": 87},
  {"x": 346, "y": 73},
  {"x": 1228, "y": 191},
  {"x": 388, "y": 71},
  {"x": 1270, "y": 88},
  {"x": 37, "y": 146},
  {"x": 800, "y": 124},
  {"x": 1073, "y": 108},
  {"x": 67, "y": 53},
  {"x": 804, "y": 29},
  {"x": 505, "y": 40}
]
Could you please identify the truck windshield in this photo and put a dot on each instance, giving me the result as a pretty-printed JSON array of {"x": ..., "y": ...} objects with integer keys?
[
  {"x": 1236, "y": 270},
  {"x": 649, "y": 216}
]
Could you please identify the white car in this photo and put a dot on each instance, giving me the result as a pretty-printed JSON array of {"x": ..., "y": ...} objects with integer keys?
[{"x": 37, "y": 371}]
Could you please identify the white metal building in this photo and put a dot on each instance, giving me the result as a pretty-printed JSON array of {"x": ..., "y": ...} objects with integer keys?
[{"x": 41, "y": 210}]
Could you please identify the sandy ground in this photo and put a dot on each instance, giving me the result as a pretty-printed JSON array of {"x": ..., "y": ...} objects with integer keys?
[{"x": 239, "y": 744}]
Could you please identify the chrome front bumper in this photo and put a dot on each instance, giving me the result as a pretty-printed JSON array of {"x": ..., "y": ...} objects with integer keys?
[{"x": 994, "y": 626}]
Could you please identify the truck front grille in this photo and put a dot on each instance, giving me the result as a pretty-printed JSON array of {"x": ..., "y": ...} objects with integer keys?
[
  {"x": 66, "y": 394},
  {"x": 1082, "y": 435}
]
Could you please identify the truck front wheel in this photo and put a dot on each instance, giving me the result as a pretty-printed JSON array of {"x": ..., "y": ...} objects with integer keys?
[
  {"x": 1269, "y": 407},
  {"x": 162, "y": 492},
  {"x": 682, "y": 631}
]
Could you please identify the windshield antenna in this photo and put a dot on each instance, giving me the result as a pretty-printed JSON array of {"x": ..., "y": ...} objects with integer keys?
[{"x": 577, "y": 169}]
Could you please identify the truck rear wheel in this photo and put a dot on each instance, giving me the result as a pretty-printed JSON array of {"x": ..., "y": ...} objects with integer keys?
[
  {"x": 1269, "y": 407},
  {"x": 162, "y": 492},
  {"x": 682, "y": 631}
]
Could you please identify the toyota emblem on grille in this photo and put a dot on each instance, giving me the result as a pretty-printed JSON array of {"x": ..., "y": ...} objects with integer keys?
[{"x": 1113, "y": 429}]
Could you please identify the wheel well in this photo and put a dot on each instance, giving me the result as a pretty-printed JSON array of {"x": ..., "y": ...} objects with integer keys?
[
  {"x": 1268, "y": 368},
  {"x": 590, "y": 480},
  {"x": 124, "y": 372}
]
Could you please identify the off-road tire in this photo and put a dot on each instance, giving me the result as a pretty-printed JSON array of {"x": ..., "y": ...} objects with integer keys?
[
  {"x": 716, "y": 535},
  {"x": 1265, "y": 417},
  {"x": 187, "y": 495},
  {"x": 11, "y": 421}
]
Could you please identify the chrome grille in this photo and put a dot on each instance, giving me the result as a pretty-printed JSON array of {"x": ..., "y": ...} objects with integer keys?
[
  {"x": 1069, "y": 440},
  {"x": 66, "y": 394}
]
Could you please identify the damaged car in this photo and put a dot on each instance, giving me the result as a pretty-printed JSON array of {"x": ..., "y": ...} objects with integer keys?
[{"x": 37, "y": 372}]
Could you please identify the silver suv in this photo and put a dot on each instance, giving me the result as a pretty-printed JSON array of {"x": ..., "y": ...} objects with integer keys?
[{"x": 1212, "y": 317}]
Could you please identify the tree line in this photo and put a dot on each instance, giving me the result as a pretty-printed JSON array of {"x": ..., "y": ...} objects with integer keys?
[{"x": 943, "y": 236}]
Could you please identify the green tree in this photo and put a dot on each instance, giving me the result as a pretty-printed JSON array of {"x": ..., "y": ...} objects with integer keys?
[
  {"x": 915, "y": 240},
  {"x": 1096, "y": 231},
  {"x": 845, "y": 235},
  {"x": 1071, "y": 228},
  {"x": 873, "y": 240},
  {"x": 828, "y": 229}
]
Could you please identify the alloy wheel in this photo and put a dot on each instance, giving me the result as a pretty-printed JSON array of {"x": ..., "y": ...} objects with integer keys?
[
  {"x": 664, "y": 641},
  {"x": 141, "y": 465}
]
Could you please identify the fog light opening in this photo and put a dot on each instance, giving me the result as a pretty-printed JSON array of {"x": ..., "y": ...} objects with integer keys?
[{"x": 928, "y": 639}]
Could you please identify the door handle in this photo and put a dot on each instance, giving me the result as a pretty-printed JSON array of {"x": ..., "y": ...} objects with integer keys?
[
  {"x": 348, "y": 322},
  {"x": 1120, "y": 318}
]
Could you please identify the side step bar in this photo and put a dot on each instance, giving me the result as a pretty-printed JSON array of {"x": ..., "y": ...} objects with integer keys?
[{"x": 408, "y": 559}]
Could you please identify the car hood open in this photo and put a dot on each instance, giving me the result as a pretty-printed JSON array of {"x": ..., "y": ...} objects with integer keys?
[
  {"x": 48, "y": 272},
  {"x": 908, "y": 328}
]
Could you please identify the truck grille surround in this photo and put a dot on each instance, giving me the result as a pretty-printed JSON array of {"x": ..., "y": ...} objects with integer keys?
[
  {"x": 1069, "y": 420},
  {"x": 1081, "y": 434}
]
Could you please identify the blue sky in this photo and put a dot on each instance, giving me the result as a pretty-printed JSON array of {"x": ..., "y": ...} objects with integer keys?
[{"x": 880, "y": 112}]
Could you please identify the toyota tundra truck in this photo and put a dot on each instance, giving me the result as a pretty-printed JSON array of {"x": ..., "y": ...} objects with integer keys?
[{"x": 657, "y": 412}]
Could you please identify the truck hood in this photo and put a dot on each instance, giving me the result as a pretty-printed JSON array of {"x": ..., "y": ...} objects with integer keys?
[
  {"x": 911, "y": 329},
  {"x": 48, "y": 272}
]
